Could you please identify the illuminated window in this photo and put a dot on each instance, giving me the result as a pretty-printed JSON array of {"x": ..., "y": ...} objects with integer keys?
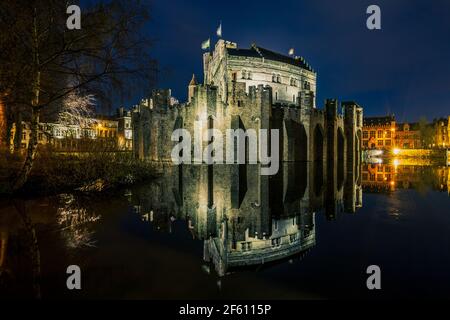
[
  {"x": 365, "y": 134},
  {"x": 372, "y": 134},
  {"x": 380, "y": 134},
  {"x": 388, "y": 142},
  {"x": 380, "y": 142}
]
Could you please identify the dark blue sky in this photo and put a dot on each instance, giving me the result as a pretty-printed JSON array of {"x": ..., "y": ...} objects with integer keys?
[{"x": 403, "y": 68}]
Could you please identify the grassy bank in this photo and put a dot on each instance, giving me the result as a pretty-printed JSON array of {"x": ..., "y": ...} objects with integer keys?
[{"x": 85, "y": 172}]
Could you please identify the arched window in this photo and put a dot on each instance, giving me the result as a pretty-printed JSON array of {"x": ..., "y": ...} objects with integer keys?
[
  {"x": 249, "y": 75},
  {"x": 278, "y": 78},
  {"x": 244, "y": 74},
  {"x": 274, "y": 77}
]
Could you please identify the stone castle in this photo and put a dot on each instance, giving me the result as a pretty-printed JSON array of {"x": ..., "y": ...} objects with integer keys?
[{"x": 256, "y": 89}]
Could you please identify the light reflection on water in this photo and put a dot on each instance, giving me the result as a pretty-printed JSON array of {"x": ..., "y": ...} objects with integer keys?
[{"x": 228, "y": 232}]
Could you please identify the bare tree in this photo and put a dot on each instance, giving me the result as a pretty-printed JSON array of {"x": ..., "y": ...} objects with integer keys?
[
  {"x": 42, "y": 62},
  {"x": 78, "y": 110}
]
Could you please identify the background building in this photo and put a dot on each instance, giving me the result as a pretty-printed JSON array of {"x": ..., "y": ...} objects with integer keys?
[
  {"x": 125, "y": 130},
  {"x": 408, "y": 136},
  {"x": 379, "y": 132},
  {"x": 442, "y": 133},
  {"x": 103, "y": 132}
]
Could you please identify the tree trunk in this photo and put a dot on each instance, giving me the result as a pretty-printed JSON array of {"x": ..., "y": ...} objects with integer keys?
[
  {"x": 31, "y": 152},
  {"x": 35, "y": 111},
  {"x": 9, "y": 125},
  {"x": 17, "y": 143}
]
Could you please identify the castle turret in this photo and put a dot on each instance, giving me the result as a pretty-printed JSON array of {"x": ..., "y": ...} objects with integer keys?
[{"x": 191, "y": 88}]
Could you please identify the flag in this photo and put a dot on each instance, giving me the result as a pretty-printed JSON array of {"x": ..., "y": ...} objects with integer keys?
[
  {"x": 206, "y": 44},
  {"x": 291, "y": 51},
  {"x": 219, "y": 30}
]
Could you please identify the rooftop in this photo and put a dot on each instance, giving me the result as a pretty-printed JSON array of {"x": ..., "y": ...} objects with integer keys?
[
  {"x": 413, "y": 126},
  {"x": 377, "y": 121},
  {"x": 258, "y": 52}
]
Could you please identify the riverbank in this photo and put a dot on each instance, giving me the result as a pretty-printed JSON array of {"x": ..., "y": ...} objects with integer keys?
[{"x": 87, "y": 172}]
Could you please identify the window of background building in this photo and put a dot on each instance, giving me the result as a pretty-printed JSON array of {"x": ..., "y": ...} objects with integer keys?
[
  {"x": 388, "y": 142},
  {"x": 365, "y": 134},
  {"x": 380, "y": 142},
  {"x": 380, "y": 134},
  {"x": 372, "y": 134},
  {"x": 388, "y": 134}
]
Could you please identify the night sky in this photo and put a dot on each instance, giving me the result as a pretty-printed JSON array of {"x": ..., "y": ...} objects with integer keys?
[{"x": 402, "y": 69}]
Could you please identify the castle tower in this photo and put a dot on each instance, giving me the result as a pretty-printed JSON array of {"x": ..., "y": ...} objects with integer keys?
[{"x": 191, "y": 88}]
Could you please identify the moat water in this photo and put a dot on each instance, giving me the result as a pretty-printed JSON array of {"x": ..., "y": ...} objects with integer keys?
[{"x": 213, "y": 233}]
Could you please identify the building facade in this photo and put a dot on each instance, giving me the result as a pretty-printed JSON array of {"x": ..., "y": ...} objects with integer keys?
[
  {"x": 379, "y": 132},
  {"x": 100, "y": 133},
  {"x": 408, "y": 136},
  {"x": 124, "y": 129},
  {"x": 442, "y": 133},
  {"x": 287, "y": 76}
]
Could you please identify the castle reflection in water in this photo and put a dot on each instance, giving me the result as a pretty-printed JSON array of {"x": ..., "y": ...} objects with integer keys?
[
  {"x": 246, "y": 219},
  {"x": 243, "y": 219}
]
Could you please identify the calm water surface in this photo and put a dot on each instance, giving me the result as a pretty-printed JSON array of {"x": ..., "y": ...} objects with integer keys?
[{"x": 228, "y": 232}]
